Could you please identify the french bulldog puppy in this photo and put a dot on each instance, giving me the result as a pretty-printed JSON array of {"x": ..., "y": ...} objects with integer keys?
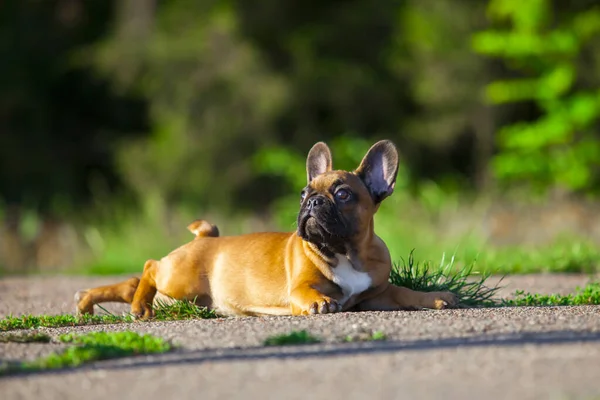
[{"x": 333, "y": 262}]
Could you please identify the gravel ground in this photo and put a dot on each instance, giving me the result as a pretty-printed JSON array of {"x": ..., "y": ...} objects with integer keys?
[
  {"x": 54, "y": 294},
  {"x": 523, "y": 353}
]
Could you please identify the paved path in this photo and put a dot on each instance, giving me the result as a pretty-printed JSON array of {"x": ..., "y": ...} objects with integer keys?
[{"x": 523, "y": 353}]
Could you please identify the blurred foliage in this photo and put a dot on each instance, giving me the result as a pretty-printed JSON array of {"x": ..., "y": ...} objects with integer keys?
[
  {"x": 126, "y": 119},
  {"x": 552, "y": 45},
  {"x": 59, "y": 123},
  {"x": 173, "y": 99},
  {"x": 212, "y": 100}
]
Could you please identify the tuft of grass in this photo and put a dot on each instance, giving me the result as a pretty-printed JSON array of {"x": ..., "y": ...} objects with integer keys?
[
  {"x": 374, "y": 336},
  {"x": 53, "y": 321},
  {"x": 126, "y": 340},
  {"x": 177, "y": 310},
  {"x": 468, "y": 284},
  {"x": 292, "y": 338},
  {"x": 181, "y": 310},
  {"x": 590, "y": 294},
  {"x": 93, "y": 346},
  {"x": 33, "y": 337}
]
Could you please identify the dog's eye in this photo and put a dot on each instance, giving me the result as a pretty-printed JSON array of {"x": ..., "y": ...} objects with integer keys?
[
  {"x": 342, "y": 194},
  {"x": 302, "y": 196}
]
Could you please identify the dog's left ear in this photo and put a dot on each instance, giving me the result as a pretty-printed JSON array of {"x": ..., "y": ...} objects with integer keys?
[{"x": 378, "y": 169}]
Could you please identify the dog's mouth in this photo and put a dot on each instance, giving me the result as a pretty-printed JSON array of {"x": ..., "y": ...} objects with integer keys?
[
  {"x": 309, "y": 227},
  {"x": 313, "y": 230}
]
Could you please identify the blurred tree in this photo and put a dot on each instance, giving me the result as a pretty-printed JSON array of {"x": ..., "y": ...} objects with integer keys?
[
  {"x": 555, "y": 48},
  {"x": 212, "y": 101},
  {"x": 227, "y": 78},
  {"x": 59, "y": 125},
  {"x": 450, "y": 132},
  {"x": 59, "y": 121},
  {"x": 400, "y": 70},
  {"x": 222, "y": 80},
  {"x": 333, "y": 54}
]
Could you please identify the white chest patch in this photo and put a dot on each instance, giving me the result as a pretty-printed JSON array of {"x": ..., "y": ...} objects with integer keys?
[{"x": 350, "y": 280}]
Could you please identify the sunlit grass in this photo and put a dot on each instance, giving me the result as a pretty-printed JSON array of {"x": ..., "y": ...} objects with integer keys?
[
  {"x": 180, "y": 310},
  {"x": 54, "y": 321},
  {"x": 588, "y": 295},
  {"x": 93, "y": 346},
  {"x": 438, "y": 223},
  {"x": 164, "y": 311},
  {"x": 563, "y": 256},
  {"x": 369, "y": 336},
  {"x": 464, "y": 281}
]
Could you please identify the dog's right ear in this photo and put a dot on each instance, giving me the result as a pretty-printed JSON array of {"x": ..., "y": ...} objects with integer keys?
[{"x": 318, "y": 161}]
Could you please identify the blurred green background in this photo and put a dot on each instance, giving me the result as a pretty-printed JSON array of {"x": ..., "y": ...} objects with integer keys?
[{"x": 122, "y": 121}]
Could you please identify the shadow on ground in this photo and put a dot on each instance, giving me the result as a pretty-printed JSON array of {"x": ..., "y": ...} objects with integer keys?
[{"x": 182, "y": 357}]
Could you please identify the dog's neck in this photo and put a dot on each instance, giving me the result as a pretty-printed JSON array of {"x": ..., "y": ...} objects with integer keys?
[
  {"x": 357, "y": 248},
  {"x": 354, "y": 249}
]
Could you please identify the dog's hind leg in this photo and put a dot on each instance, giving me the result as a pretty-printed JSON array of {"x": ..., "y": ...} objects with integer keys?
[
  {"x": 141, "y": 306},
  {"x": 121, "y": 292}
]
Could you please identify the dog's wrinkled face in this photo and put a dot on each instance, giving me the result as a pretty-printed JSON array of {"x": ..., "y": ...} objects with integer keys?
[
  {"x": 338, "y": 206},
  {"x": 333, "y": 207}
]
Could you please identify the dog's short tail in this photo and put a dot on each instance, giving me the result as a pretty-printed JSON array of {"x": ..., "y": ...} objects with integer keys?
[{"x": 202, "y": 228}]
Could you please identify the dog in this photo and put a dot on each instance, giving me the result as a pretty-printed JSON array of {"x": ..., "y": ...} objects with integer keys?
[{"x": 333, "y": 262}]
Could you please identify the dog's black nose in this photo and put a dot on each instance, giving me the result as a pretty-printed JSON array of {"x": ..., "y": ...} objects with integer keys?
[{"x": 315, "y": 202}]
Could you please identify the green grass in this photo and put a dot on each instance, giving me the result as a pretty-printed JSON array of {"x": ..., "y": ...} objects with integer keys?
[
  {"x": 441, "y": 223},
  {"x": 27, "y": 337},
  {"x": 181, "y": 310},
  {"x": 303, "y": 337},
  {"x": 91, "y": 347},
  {"x": 55, "y": 321},
  {"x": 569, "y": 255},
  {"x": 292, "y": 338},
  {"x": 464, "y": 281},
  {"x": 562, "y": 256},
  {"x": 588, "y": 295},
  {"x": 127, "y": 341},
  {"x": 374, "y": 336},
  {"x": 178, "y": 310}
]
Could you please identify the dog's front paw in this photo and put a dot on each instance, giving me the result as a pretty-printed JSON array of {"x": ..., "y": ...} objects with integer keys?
[
  {"x": 324, "y": 305},
  {"x": 441, "y": 300},
  {"x": 141, "y": 311}
]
